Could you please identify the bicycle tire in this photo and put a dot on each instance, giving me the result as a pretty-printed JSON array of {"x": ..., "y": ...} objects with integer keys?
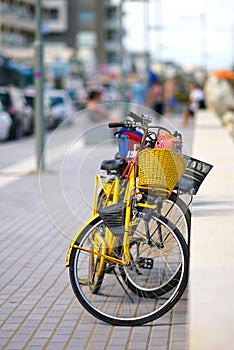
[
  {"x": 101, "y": 200},
  {"x": 96, "y": 272},
  {"x": 116, "y": 303},
  {"x": 178, "y": 212},
  {"x": 133, "y": 278}
]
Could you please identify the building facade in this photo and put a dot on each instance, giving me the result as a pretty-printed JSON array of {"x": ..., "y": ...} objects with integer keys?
[{"x": 90, "y": 27}]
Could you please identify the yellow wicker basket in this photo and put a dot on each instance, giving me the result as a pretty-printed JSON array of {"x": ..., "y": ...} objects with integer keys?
[{"x": 159, "y": 170}]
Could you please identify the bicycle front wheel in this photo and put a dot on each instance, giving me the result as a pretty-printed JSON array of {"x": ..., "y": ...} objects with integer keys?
[
  {"x": 178, "y": 212},
  {"x": 117, "y": 302}
]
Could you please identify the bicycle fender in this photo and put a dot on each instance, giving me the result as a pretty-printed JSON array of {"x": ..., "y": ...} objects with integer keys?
[{"x": 76, "y": 236}]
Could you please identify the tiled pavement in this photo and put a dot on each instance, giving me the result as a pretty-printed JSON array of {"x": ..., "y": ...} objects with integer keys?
[
  {"x": 211, "y": 303},
  {"x": 38, "y": 307}
]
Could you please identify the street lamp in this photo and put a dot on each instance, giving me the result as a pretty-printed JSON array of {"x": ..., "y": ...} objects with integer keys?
[
  {"x": 203, "y": 40},
  {"x": 121, "y": 47},
  {"x": 39, "y": 80},
  {"x": 203, "y": 25},
  {"x": 145, "y": 22},
  {"x": 158, "y": 29}
]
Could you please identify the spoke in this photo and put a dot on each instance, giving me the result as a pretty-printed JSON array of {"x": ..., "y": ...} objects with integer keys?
[{"x": 121, "y": 284}]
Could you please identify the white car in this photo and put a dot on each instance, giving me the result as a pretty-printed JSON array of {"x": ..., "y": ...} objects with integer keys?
[
  {"x": 60, "y": 105},
  {"x": 29, "y": 95},
  {"x": 22, "y": 115},
  {"x": 5, "y": 124}
]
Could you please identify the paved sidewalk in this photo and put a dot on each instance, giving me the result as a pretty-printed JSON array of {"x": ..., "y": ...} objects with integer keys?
[
  {"x": 211, "y": 302},
  {"x": 38, "y": 307}
]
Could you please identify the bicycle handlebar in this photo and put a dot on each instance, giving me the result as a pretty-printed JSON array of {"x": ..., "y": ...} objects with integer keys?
[
  {"x": 134, "y": 116},
  {"x": 116, "y": 125},
  {"x": 143, "y": 119},
  {"x": 138, "y": 121},
  {"x": 142, "y": 123}
]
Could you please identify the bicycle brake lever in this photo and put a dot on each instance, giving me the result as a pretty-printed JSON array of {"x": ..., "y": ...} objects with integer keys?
[
  {"x": 134, "y": 116},
  {"x": 147, "y": 118}
]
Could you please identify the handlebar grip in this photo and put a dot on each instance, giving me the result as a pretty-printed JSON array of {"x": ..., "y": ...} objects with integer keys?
[{"x": 116, "y": 125}]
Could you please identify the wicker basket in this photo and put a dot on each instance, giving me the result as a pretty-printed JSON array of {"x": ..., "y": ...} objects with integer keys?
[
  {"x": 159, "y": 170},
  {"x": 195, "y": 173}
]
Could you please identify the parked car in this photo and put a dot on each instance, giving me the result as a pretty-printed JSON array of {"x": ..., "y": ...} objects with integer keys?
[
  {"x": 29, "y": 95},
  {"x": 22, "y": 115},
  {"x": 5, "y": 124},
  {"x": 60, "y": 105},
  {"x": 78, "y": 97}
]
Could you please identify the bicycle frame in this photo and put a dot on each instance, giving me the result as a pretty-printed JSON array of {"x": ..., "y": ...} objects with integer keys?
[
  {"x": 109, "y": 242},
  {"x": 112, "y": 190}
]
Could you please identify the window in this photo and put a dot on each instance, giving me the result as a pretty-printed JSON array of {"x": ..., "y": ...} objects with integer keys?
[
  {"x": 87, "y": 39},
  {"x": 53, "y": 14},
  {"x": 86, "y": 17}
]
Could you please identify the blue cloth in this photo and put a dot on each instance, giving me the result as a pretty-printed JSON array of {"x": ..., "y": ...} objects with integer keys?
[
  {"x": 138, "y": 93},
  {"x": 152, "y": 77}
]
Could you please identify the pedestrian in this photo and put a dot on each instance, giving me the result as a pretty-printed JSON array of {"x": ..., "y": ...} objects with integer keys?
[
  {"x": 155, "y": 98},
  {"x": 169, "y": 94},
  {"x": 138, "y": 92},
  {"x": 96, "y": 110},
  {"x": 196, "y": 100}
]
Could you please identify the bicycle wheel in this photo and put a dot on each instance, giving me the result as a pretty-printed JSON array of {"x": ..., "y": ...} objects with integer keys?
[
  {"x": 101, "y": 200},
  {"x": 96, "y": 268},
  {"x": 118, "y": 304},
  {"x": 149, "y": 240},
  {"x": 178, "y": 212}
]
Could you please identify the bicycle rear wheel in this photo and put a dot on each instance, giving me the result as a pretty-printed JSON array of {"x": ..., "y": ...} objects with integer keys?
[
  {"x": 152, "y": 247},
  {"x": 118, "y": 304}
]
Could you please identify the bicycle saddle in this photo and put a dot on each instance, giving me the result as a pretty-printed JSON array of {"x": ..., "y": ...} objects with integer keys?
[{"x": 111, "y": 164}]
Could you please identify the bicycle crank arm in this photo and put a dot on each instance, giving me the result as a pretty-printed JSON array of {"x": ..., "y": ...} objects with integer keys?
[{"x": 107, "y": 257}]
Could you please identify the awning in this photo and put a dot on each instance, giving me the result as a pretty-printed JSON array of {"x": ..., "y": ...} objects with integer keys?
[{"x": 18, "y": 67}]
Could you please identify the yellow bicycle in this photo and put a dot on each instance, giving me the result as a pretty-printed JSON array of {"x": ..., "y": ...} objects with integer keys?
[
  {"x": 128, "y": 264},
  {"x": 110, "y": 184}
]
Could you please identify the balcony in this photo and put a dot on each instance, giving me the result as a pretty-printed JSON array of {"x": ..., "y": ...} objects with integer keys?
[
  {"x": 55, "y": 16},
  {"x": 111, "y": 3},
  {"x": 112, "y": 45},
  {"x": 112, "y": 24},
  {"x": 12, "y": 20}
]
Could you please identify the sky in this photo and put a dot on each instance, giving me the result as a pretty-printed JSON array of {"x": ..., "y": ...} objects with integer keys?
[{"x": 192, "y": 33}]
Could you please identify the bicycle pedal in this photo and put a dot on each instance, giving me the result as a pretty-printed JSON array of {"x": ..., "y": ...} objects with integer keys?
[
  {"x": 133, "y": 223},
  {"x": 145, "y": 263}
]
